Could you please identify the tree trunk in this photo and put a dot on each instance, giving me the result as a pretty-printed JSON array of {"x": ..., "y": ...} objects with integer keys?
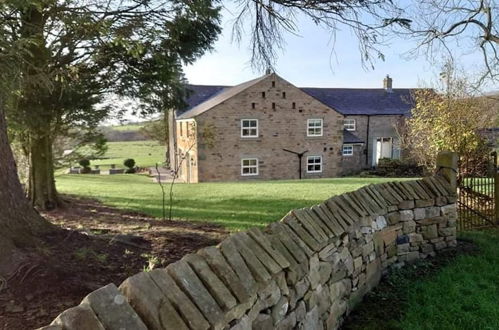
[
  {"x": 19, "y": 222},
  {"x": 42, "y": 191}
]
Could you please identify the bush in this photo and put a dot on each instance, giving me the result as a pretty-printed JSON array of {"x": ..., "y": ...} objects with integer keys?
[
  {"x": 84, "y": 163},
  {"x": 130, "y": 163}
]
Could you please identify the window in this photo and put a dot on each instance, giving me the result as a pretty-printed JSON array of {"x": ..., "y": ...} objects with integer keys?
[
  {"x": 249, "y": 128},
  {"x": 314, "y": 127},
  {"x": 347, "y": 150},
  {"x": 293, "y": 105},
  {"x": 349, "y": 124},
  {"x": 249, "y": 166},
  {"x": 263, "y": 95},
  {"x": 314, "y": 164},
  {"x": 181, "y": 128},
  {"x": 273, "y": 84},
  {"x": 283, "y": 95},
  {"x": 273, "y": 106},
  {"x": 253, "y": 105}
]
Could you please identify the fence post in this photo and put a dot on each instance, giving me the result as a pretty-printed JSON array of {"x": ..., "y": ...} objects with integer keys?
[
  {"x": 447, "y": 167},
  {"x": 496, "y": 193}
]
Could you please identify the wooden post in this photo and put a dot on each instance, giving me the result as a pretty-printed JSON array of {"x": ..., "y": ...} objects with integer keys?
[{"x": 447, "y": 167}]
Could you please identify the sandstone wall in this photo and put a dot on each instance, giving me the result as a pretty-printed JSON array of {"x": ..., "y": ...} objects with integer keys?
[{"x": 305, "y": 272}]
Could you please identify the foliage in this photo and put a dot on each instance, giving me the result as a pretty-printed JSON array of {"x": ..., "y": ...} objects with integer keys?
[
  {"x": 76, "y": 54},
  {"x": 130, "y": 163},
  {"x": 234, "y": 205},
  {"x": 156, "y": 130},
  {"x": 447, "y": 121},
  {"x": 84, "y": 163}
]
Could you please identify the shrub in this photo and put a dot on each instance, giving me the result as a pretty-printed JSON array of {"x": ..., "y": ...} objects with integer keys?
[
  {"x": 84, "y": 163},
  {"x": 130, "y": 163}
]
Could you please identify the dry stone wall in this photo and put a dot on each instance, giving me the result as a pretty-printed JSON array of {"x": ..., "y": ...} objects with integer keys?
[{"x": 305, "y": 272}]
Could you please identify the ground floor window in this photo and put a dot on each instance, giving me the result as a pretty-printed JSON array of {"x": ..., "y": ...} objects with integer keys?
[
  {"x": 347, "y": 150},
  {"x": 249, "y": 166},
  {"x": 314, "y": 164}
]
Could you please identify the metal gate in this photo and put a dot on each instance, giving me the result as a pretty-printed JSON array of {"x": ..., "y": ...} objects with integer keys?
[{"x": 477, "y": 193}]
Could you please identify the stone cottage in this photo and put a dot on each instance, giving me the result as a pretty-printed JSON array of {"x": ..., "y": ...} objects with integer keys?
[{"x": 267, "y": 128}]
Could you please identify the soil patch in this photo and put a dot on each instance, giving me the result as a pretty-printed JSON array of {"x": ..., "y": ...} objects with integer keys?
[
  {"x": 383, "y": 307},
  {"x": 96, "y": 245}
]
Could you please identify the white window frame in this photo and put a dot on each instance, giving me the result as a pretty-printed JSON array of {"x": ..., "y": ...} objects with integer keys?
[
  {"x": 349, "y": 124},
  {"x": 309, "y": 127},
  {"x": 320, "y": 164},
  {"x": 350, "y": 146},
  {"x": 249, "y": 128},
  {"x": 249, "y": 166}
]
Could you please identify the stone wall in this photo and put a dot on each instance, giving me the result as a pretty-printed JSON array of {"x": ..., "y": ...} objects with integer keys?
[{"x": 305, "y": 272}]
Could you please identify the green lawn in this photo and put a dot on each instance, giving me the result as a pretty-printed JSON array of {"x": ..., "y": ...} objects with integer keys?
[
  {"x": 128, "y": 127},
  {"x": 233, "y": 205},
  {"x": 145, "y": 153},
  {"x": 461, "y": 293}
]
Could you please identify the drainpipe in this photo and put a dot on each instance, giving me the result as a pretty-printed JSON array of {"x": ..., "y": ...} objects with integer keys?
[{"x": 368, "y": 142}]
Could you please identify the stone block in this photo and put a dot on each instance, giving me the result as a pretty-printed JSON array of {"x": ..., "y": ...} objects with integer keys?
[
  {"x": 191, "y": 314},
  {"x": 440, "y": 245},
  {"x": 270, "y": 295},
  {"x": 113, "y": 310},
  {"x": 313, "y": 272},
  {"x": 419, "y": 213},
  {"x": 215, "y": 286},
  {"x": 381, "y": 222},
  {"x": 432, "y": 211},
  {"x": 449, "y": 231},
  {"x": 409, "y": 227},
  {"x": 424, "y": 202},
  {"x": 311, "y": 321},
  {"x": 263, "y": 322},
  {"x": 406, "y": 215},
  {"x": 406, "y": 204},
  {"x": 415, "y": 238},
  {"x": 220, "y": 266},
  {"x": 300, "y": 311},
  {"x": 325, "y": 270},
  {"x": 81, "y": 317},
  {"x": 154, "y": 308},
  {"x": 279, "y": 310},
  {"x": 429, "y": 232},
  {"x": 403, "y": 248},
  {"x": 393, "y": 218},
  {"x": 187, "y": 279},
  {"x": 288, "y": 323}
]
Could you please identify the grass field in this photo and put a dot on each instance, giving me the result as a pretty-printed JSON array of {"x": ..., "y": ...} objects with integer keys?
[
  {"x": 128, "y": 127},
  {"x": 462, "y": 294},
  {"x": 233, "y": 205},
  {"x": 145, "y": 153}
]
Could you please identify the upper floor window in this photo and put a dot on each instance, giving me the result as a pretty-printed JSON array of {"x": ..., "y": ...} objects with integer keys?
[
  {"x": 249, "y": 128},
  {"x": 347, "y": 150},
  {"x": 314, "y": 127},
  {"x": 283, "y": 95},
  {"x": 349, "y": 124},
  {"x": 263, "y": 95},
  {"x": 249, "y": 166},
  {"x": 314, "y": 164}
]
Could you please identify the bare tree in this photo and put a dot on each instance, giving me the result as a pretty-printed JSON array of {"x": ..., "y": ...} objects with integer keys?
[
  {"x": 271, "y": 19},
  {"x": 458, "y": 27}
]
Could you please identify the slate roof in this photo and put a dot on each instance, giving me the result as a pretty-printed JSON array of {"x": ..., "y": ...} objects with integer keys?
[
  {"x": 364, "y": 101},
  {"x": 210, "y": 96},
  {"x": 347, "y": 101},
  {"x": 349, "y": 137}
]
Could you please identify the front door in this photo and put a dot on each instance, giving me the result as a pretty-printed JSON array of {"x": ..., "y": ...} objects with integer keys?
[{"x": 383, "y": 147}]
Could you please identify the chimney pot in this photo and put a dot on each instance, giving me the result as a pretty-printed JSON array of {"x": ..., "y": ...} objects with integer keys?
[{"x": 387, "y": 83}]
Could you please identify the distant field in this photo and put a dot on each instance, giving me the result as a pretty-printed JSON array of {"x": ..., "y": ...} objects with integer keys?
[
  {"x": 145, "y": 153},
  {"x": 128, "y": 127},
  {"x": 234, "y": 205}
]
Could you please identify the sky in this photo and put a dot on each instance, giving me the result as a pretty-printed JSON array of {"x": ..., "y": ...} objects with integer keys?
[{"x": 311, "y": 59}]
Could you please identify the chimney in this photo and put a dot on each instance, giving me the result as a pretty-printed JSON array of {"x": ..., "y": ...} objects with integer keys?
[
  {"x": 387, "y": 83},
  {"x": 268, "y": 71}
]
